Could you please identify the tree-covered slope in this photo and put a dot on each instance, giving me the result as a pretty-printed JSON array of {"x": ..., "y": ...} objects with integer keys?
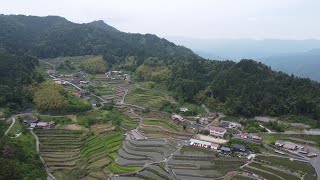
[
  {"x": 245, "y": 88},
  {"x": 54, "y": 36},
  {"x": 16, "y": 73}
]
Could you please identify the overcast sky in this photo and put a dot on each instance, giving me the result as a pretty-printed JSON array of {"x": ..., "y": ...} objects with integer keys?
[{"x": 258, "y": 19}]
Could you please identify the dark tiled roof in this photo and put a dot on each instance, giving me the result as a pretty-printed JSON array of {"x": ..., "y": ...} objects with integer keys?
[
  {"x": 239, "y": 147},
  {"x": 223, "y": 148}
]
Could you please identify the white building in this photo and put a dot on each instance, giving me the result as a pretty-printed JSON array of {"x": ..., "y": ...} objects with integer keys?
[
  {"x": 184, "y": 109},
  {"x": 217, "y": 131}
]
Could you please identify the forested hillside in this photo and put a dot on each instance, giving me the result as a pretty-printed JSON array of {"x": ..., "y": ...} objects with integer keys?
[
  {"x": 16, "y": 73},
  {"x": 18, "y": 157},
  {"x": 54, "y": 36},
  {"x": 246, "y": 88}
]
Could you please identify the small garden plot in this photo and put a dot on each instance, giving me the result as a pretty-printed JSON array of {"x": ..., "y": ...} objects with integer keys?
[
  {"x": 152, "y": 153},
  {"x": 190, "y": 151},
  {"x": 101, "y": 129},
  {"x": 127, "y": 155},
  {"x": 189, "y": 162},
  {"x": 57, "y": 119},
  {"x": 186, "y": 171},
  {"x": 116, "y": 168},
  {"x": 147, "y": 98},
  {"x": 158, "y": 132},
  {"x": 159, "y": 171},
  {"x": 103, "y": 90},
  {"x": 125, "y": 178},
  {"x": 164, "y": 148},
  {"x": 188, "y": 177},
  {"x": 129, "y": 124},
  {"x": 294, "y": 165},
  {"x": 165, "y": 124},
  {"x": 124, "y": 161},
  {"x": 262, "y": 173},
  {"x": 99, "y": 163},
  {"x": 97, "y": 175},
  {"x": 240, "y": 177},
  {"x": 150, "y": 175},
  {"x": 216, "y": 171}
]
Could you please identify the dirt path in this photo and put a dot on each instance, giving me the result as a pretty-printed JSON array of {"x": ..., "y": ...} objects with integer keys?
[
  {"x": 13, "y": 121},
  {"x": 47, "y": 63},
  {"x": 50, "y": 175}
]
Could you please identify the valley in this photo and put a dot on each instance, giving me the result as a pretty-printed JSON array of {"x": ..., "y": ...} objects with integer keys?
[
  {"x": 129, "y": 135},
  {"x": 87, "y": 101}
]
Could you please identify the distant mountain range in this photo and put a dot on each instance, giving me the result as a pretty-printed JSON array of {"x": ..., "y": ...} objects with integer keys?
[
  {"x": 298, "y": 57},
  {"x": 305, "y": 64}
]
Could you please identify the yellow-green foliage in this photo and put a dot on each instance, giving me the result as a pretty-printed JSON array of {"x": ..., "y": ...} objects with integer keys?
[
  {"x": 48, "y": 96},
  {"x": 129, "y": 63},
  {"x": 153, "y": 73},
  {"x": 94, "y": 65}
]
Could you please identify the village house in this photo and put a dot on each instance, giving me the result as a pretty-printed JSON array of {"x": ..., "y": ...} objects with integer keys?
[
  {"x": 93, "y": 102},
  {"x": 290, "y": 146},
  {"x": 59, "y": 81},
  {"x": 83, "y": 92},
  {"x": 46, "y": 124},
  {"x": 83, "y": 82},
  {"x": 225, "y": 150},
  {"x": 250, "y": 136},
  {"x": 184, "y": 109},
  {"x": 204, "y": 144},
  {"x": 227, "y": 124},
  {"x": 304, "y": 150},
  {"x": 51, "y": 71},
  {"x": 241, "y": 149},
  {"x": 29, "y": 120},
  {"x": 76, "y": 94},
  {"x": 176, "y": 117},
  {"x": 217, "y": 131},
  {"x": 279, "y": 143}
]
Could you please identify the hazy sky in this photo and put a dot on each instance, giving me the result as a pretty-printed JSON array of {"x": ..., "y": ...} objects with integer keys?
[{"x": 259, "y": 19}]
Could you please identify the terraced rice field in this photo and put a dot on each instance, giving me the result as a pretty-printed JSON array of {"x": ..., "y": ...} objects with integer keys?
[
  {"x": 160, "y": 125},
  {"x": 132, "y": 121},
  {"x": 140, "y": 152},
  {"x": 96, "y": 153},
  {"x": 294, "y": 165},
  {"x": 102, "y": 129},
  {"x": 154, "y": 172},
  {"x": 60, "y": 148},
  {"x": 69, "y": 151},
  {"x": 191, "y": 163},
  {"x": 272, "y": 167},
  {"x": 146, "y": 98}
]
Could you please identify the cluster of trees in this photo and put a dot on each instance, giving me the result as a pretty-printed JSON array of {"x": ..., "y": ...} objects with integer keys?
[
  {"x": 247, "y": 88},
  {"x": 18, "y": 158},
  {"x": 16, "y": 74},
  {"x": 95, "y": 65},
  {"x": 66, "y": 66},
  {"x": 48, "y": 96},
  {"x": 51, "y": 97}
]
